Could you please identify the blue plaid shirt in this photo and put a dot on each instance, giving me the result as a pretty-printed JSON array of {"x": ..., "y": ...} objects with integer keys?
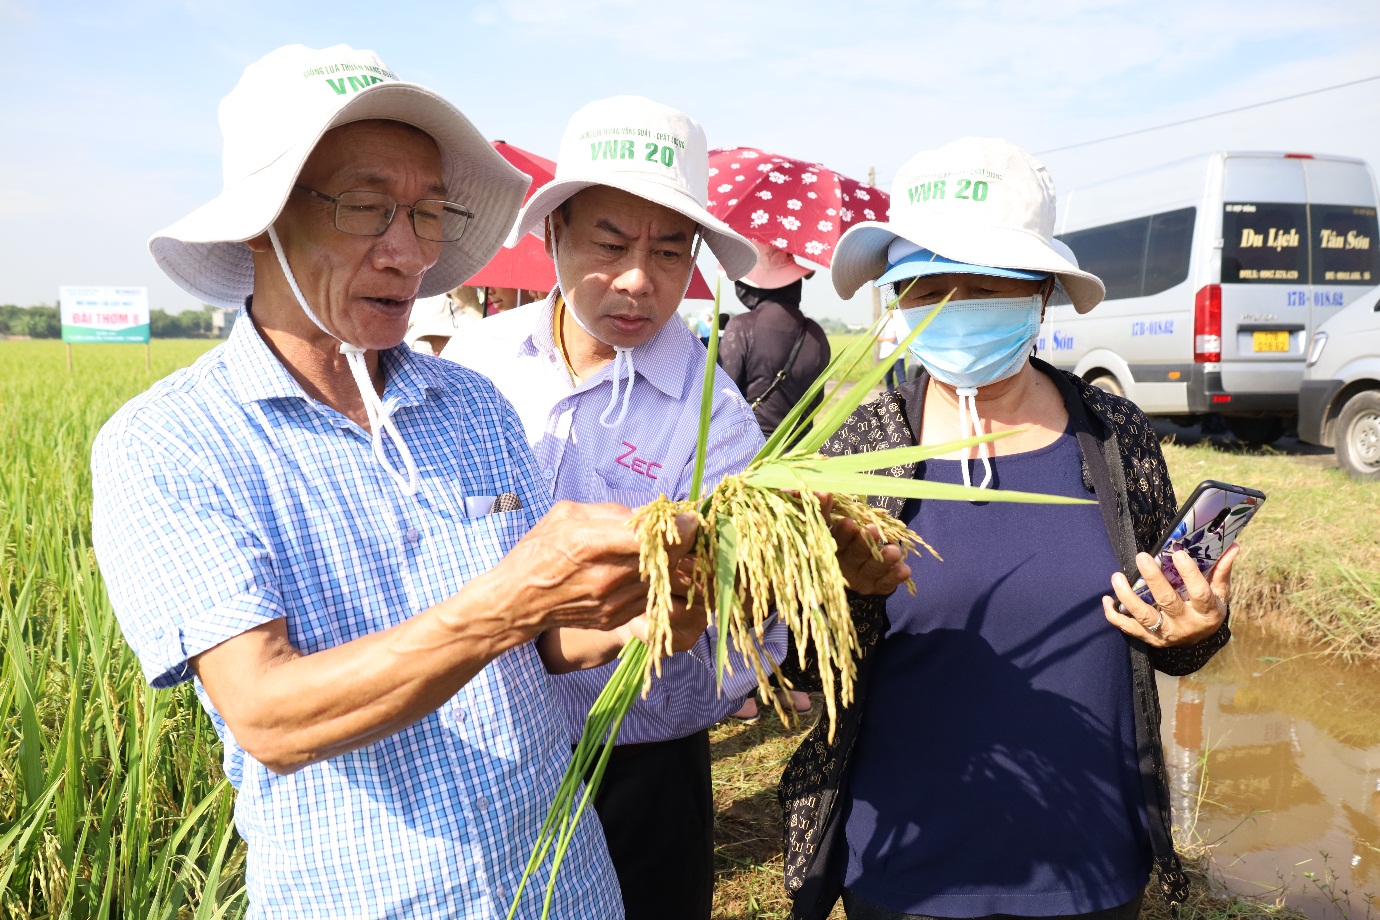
[{"x": 225, "y": 498}]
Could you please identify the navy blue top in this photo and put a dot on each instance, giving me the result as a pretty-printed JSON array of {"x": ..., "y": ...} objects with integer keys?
[{"x": 995, "y": 771}]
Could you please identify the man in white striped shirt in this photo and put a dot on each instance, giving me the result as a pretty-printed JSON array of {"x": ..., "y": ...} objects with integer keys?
[{"x": 608, "y": 390}]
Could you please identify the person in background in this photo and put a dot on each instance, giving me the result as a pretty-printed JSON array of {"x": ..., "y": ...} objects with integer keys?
[
  {"x": 704, "y": 325},
  {"x": 773, "y": 352},
  {"x": 434, "y": 320},
  {"x": 608, "y": 382},
  {"x": 1002, "y": 756},
  {"x": 894, "y": 331},
  {"x": 500, "y": 300}
]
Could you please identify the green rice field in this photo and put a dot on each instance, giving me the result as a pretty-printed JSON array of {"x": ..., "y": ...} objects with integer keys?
[{"x": 112, "y": 799}]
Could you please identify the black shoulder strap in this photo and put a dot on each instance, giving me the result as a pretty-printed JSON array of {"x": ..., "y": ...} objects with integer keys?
[{"x": 781, "y": 374}]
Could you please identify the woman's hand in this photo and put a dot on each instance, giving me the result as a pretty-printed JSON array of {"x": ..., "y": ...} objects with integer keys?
[
  {"x": 1173, "y": 619},
  {"x": 863, "y": 572}
]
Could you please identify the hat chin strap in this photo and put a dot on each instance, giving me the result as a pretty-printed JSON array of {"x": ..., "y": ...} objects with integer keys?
[
  {"x": 968, "y": 416},
  {"x": 380, "y": 414},
  {"x": 622, "y": 355}
]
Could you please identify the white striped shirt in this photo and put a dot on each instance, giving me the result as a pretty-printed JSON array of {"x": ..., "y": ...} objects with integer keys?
[{"x": 652, "y": 452}]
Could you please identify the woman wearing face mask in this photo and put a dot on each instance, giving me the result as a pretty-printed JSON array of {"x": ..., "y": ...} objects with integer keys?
[{"x": 1002, "y": 753}]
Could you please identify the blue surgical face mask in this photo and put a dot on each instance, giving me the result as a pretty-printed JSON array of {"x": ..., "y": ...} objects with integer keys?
[{"x": 973, "y": 343}]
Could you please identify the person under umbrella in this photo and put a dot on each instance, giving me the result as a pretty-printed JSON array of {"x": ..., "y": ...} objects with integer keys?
[{"x": 773, "y": 352}]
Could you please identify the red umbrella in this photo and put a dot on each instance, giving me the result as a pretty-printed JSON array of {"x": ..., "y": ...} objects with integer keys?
[
  {"x": 527, "y": 265},
  {"x": 793, "y": 205}
]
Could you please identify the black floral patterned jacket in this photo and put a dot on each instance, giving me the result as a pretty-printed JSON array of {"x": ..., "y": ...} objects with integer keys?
[{"x": 1124, "y": 468}]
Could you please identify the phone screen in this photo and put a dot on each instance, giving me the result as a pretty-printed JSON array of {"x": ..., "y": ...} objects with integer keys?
[{"x": 1207, "y": 525}]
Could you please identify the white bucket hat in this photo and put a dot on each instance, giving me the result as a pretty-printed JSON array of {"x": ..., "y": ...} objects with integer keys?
[
  {"x": 645, "y": 149},
  {"x": 979, "y": 200},
  {"x": 439, "y": 315},
  {"x": 271, "y": 122}
]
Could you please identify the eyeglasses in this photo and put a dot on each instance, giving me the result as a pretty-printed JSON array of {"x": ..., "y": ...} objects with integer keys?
[{"x": 371, "y": 213}]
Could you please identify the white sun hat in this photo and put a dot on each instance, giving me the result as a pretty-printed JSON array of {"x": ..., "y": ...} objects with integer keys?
[
  {"x": 438, "y": 315},
  {"x": 271, "y": 122},
  {"x": 645, "y": 149},
  {"x": 979, "y": 200}
]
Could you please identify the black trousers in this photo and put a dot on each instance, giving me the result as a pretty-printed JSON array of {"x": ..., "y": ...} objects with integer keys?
[
  {"x": 657, "y": 808},
  {"x": 857, "y": 909}
]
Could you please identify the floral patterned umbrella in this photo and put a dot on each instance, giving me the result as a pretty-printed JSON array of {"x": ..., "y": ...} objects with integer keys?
[{"x": 793, "y": 205}]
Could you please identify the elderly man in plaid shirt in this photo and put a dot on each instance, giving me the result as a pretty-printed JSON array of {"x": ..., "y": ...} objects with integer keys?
[{"x": 348, "y": 546}]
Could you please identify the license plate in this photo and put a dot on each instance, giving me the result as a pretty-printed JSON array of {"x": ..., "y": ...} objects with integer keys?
[{"x": 1270, "y": 341}]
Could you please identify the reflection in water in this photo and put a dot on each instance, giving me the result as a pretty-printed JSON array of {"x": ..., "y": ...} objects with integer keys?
[{"x": 1291, "y": 745}]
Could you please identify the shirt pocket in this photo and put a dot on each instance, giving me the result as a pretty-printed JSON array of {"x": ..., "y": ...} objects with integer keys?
[
  {"x": 465, "y": 549},
  {"x": 493, "y": 535},
  {"x": 611, "y": 487}
]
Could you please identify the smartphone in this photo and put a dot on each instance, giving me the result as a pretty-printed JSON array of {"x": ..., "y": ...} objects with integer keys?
[{"x": 1207, "y": 524}]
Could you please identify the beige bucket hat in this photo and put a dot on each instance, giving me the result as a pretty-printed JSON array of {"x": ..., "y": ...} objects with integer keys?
[
  {"x": 979, "y": 200},
  {"x": 273, "y": 119},
  {"x": 645, "y": 149}
]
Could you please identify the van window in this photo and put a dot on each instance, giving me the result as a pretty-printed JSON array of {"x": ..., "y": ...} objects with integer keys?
[
  {"x": 1169, "y": 253},
  {"x": 1264, "y": 243},
  {"x": 1140, "y": 257},
  {"x": 1345, "y": 248},
  {"x": 1115, "y": 253}
]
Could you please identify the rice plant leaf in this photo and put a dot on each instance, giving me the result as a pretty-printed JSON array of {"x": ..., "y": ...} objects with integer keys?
[
  {"x": 839, "y": 366},
  {"x": 894, "y": 456},
  {"x": 15, "y": 842},
  {"x": 725, "y": 578},
  {"x": 781, "y": 475},
  {"x": 207, "y": 908},
  {"x": 31, "y": 741},
  {"x": 861, "y": 349},
  {"x": 837, "y": 414},
  {"x": 711, "y": 366}
]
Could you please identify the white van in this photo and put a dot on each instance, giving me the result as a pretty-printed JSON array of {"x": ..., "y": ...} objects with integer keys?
[
  {"x": 1217, "y": 267},
  {"x": 1339, "y": 402}
]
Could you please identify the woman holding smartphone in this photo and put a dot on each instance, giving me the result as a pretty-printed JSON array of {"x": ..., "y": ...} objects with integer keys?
[{"x": 1002, "y": 753}]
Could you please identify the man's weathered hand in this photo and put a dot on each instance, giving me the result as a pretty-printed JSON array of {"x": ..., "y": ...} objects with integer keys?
[{"x": 578, "y": 567}]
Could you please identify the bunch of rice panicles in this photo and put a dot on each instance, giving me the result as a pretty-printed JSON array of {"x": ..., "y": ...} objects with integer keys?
[{"x": 758, "y": 551}]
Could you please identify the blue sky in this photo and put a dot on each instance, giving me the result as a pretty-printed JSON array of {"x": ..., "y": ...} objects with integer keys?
[{"x": 110, "y": 128}]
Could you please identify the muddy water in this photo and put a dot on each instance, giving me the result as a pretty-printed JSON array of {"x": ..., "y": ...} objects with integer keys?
[{"x": 1276, "y": 751}]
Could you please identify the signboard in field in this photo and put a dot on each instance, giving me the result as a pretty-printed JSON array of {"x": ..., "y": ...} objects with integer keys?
[{"x": 104, "y": 314}]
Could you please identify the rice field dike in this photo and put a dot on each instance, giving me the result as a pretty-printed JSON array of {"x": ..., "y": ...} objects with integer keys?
[{"x": 112, "y": 799}]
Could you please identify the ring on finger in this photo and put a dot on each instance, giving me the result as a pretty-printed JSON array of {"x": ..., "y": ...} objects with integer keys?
[{"x": 1158, "y": 623}]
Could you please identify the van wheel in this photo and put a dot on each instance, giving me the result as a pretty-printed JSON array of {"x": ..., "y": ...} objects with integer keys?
[
  {"x": 1256, "y": 432},
  {"x": 1109, "y": 384},
  {"x": 1358, "y": 435}
]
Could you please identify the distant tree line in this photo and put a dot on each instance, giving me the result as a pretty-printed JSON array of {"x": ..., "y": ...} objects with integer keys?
[
  {"x": 43, "y": 322},
  {"x": 37, "y": 322}
]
